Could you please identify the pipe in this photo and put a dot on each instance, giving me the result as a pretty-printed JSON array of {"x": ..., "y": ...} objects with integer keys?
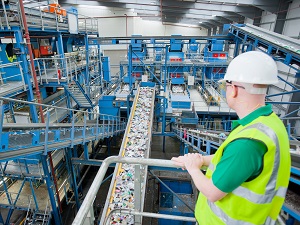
[
  {"x": 90, "y": 197},
  {"x": 161, "y": 15},
  {"x": 152, "y": 215},
  {"x": 126, "y": 25},
  {"x": 27, "y": 37},
  {"x": 38, "y": 94}
]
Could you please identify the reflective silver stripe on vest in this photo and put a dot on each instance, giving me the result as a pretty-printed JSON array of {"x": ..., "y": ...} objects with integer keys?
[
  {"x": 223, "y": 216},
  {"x": 259, "y": 198},
  {"x": 270, "y": 188},
  {"x": 270, "y": 133},
  {"x": 211, "y": 167},
  {"x": 249, "y": 195},
  {"x": 229, "y": 221},
  {"x": 269, "y": 221}
]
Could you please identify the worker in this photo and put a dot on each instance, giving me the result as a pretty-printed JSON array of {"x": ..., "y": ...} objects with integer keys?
[
  {"x": 247, "y": 178},
  {"x": 184, "y": 133},
  {"x": 10, "y": 53}
]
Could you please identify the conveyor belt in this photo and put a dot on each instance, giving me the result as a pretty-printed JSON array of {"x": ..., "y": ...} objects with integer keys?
[
  {"x": 277, "y": 39},
  {"x": 126, "y": 185},
  {"x": 286, "y": 49},
  {"x": 292, "y": 204}
]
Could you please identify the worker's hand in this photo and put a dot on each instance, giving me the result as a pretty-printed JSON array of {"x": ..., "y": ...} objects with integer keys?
[
  {"x": 179, "y": 161},
  {"x": 190, "y": 161},
  {"x": 193, "y": 161}
]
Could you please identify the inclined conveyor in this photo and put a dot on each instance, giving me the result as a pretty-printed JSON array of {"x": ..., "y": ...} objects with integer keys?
[
  {"x": 127, "y": 189},
  {"x": 285, "y": 48}
]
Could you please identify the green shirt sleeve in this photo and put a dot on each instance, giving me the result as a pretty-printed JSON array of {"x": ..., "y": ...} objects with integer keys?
[{"x": 242, "y": 161}]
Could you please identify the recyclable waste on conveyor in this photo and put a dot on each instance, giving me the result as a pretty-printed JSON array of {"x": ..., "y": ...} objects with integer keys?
[{"x": 136, "y": 146}]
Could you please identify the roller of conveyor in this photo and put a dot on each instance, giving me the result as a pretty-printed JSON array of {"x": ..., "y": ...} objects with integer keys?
[{"x": 136, "y": 143}]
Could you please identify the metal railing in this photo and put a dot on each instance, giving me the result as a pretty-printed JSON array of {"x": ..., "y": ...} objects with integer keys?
[
  {"x": 88, "y": 24},
  {"x": 85, "y": 213},
  {"x": 43, "y": 136},
  {"x": 38, "y": 16},
  {"x": 11, "y": 199},
  {"x": 26, "y": 169},
  {"x": 6, "y": 77}
]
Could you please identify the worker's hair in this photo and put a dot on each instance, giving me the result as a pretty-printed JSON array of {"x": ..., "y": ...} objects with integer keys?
[{"x": 9, "y": 49}]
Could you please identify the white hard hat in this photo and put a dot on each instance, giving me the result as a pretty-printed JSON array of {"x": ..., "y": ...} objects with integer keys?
[{"x": 253, "y": 68}]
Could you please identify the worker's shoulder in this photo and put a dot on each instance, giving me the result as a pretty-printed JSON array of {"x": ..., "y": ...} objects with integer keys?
[{"x": 242, "y": 146}]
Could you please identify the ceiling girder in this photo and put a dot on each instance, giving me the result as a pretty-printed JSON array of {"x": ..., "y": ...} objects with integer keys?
[{"x": 190, "y": 11}]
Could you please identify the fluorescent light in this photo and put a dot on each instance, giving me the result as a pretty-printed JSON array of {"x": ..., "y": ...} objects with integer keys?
[
  {"x": 213, "y": 15},
  {"x": 200, "y": 22}
]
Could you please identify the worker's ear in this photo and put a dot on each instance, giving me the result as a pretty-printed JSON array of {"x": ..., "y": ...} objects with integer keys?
[{"x": 234, "y": 91}]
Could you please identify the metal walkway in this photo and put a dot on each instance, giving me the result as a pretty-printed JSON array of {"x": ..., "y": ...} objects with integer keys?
[{"x": 19, "y": 140}]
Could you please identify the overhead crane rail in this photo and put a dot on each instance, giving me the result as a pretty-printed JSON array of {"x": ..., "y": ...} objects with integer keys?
[{"x": 127, "y": 189}]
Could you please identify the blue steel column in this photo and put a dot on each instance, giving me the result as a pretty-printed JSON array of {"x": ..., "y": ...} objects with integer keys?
[
  {"x": 121, "y": 71},
  {"x": 68, "y": 154},
  {"x": 49, "y": 183},
  {"x": 100, "y": 66},
  {"x": 87, "y": 73},
  {"x": 23, "y": 59},
  {"x": 1, "y": 120},
  {"x": 60, "y": 50},
  {"x": 163, "y": 127},
  {"x": 166, "y": 68},
  {"x": 1, "y": 219},
  {"x": 237, "y": 47},
  {"x": 31, "y": 187},
  {"x": 76, "y": 170},
  {"x": 130, "y": 66},
  {"x": 11, "y": 109},
  {"x": 208, "y": 147},
  {"x": 10, "y": 202}
]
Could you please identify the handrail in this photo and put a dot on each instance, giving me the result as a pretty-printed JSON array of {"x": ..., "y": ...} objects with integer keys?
[
  {"x": 40, "y": 17},
  {"x": 57, "y": 107},
  {"x": 90, "y": 197}
]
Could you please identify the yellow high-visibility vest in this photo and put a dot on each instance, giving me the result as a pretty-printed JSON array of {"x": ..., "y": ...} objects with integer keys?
[{"x": 258, "y": 201}]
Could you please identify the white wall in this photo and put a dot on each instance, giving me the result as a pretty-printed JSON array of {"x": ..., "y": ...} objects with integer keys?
[
  {"x": 116, "y": 27},
  {"x": 292, "y": 29},
  {"x": 248, "y": 20},
  {"x": 268, "y": 21},
  {"x": 291, "y": 26}
]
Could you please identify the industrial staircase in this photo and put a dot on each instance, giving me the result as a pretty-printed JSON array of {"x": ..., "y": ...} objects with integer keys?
[
  {"x": 76, "y": 91},
  {"x": 38, "y": 218}
]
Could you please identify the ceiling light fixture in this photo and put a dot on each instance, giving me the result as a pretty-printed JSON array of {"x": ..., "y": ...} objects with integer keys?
[{"x": 213, "y": 15}]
